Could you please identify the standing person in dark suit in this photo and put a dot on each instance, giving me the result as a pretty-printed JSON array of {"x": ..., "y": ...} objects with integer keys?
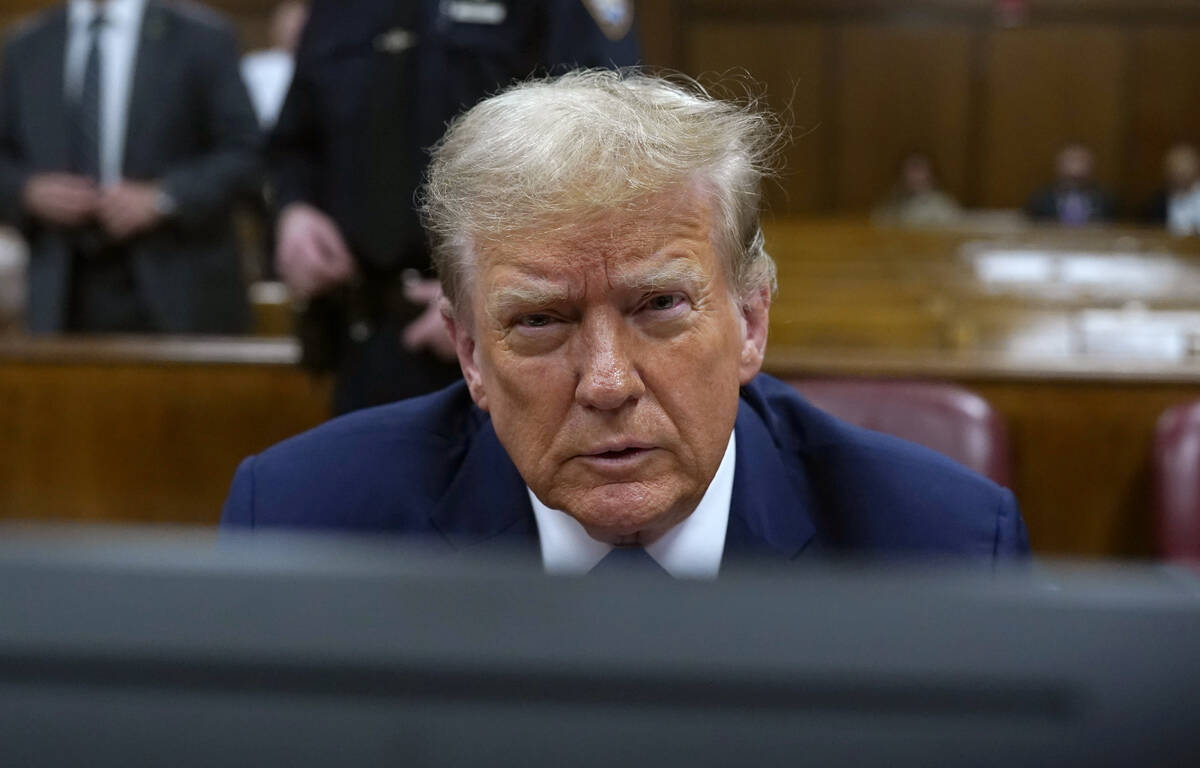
[
  {"x": 1075, "y": 198},
  {"x": 125, "y": 135},
  {"x": 376, "y": 82}
]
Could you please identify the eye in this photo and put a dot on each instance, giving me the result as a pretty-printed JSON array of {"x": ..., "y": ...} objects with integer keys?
[
  {"x": 663, "y": 302},
  {"x": 535, "y": 320}
]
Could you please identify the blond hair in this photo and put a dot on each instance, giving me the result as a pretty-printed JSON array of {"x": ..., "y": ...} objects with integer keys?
[{"x": 546, "y": 151}]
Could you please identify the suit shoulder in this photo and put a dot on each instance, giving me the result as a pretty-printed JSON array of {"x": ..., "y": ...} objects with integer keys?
[
  {"x": 412, "y": 441},
  {"x": 381, "y": 468},
  {"x": 198, "y": 15},
  {"x": 879, "y": 492},
  {"x": 421, "y": 423},
  {"x": 798, "y": 425},
  {"x": 29, "y": 29}
]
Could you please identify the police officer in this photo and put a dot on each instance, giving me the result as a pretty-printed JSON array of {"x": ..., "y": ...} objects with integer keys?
[{"x": 376, "y": 81}]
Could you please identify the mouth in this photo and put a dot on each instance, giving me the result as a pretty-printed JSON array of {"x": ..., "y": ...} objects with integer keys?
[{"x": 616, "y": 455}]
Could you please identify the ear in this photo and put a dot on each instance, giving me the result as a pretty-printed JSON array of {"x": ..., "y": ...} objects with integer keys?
[
  {"x": 463, "y": 335},
  {"x": 756, "y": 311}
]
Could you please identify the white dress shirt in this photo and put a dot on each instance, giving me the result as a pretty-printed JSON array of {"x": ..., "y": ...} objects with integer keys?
[
  {"x": 267, "y": 75},
  {"x": 118, "y": 50},
  {"x": 1183, "y": 212},
  {"x": 690, "y": 550}
]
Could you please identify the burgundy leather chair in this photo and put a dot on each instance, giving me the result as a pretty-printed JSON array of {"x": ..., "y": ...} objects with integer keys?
[
  {"x": 944, "y": 417},
  {"x": 1177, "y": 482}
]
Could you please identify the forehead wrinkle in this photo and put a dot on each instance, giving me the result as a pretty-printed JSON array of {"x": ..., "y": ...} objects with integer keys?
[{"x": 651, "y": 277}]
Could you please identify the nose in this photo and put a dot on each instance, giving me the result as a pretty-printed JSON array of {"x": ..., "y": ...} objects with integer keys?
[{"x": 608, "y": 376}]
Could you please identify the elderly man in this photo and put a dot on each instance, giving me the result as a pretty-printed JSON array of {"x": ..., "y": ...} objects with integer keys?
[{"x": 607, "y": 290}]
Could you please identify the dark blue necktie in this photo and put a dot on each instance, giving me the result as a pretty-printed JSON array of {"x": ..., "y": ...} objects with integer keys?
[
  {"x": 86, "y": 141},
  {"x": 629, "y": 560}
]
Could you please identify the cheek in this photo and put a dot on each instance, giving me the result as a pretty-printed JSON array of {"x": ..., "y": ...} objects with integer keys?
[
  {"x": 529, "y": 400},
  {"x": 527, "y": 382},
  {"x": 704, "y": 358},
  {"x": 696, "y": 379}
]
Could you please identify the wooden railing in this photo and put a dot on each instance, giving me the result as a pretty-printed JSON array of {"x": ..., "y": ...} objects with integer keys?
[{"x": 141, "y": 430}]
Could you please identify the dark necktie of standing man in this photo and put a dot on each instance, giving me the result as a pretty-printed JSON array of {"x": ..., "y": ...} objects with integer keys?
[
  {"x": 85, "y": 144},
  {"x": 85, "y": 129},
  {"x": 104, "y": 294}
]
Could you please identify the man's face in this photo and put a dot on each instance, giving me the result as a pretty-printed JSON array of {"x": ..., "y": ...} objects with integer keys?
[{"x": 609, "y": 354}]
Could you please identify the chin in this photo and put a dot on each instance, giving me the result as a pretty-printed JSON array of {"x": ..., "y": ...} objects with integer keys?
[{"x": 622, "y": 513}]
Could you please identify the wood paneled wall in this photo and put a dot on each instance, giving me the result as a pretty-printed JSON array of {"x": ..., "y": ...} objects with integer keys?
[{"x": 866, "y": 81}]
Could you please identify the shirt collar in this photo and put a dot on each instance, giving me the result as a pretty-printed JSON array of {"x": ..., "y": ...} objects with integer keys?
[
  {"x": 119, "y": 13},
  {"x": 692, "y": 549}
]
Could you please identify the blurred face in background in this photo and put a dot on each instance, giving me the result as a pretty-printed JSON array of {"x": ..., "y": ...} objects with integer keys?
[
  {"x": 1181, "y": 168},
  {"x": 609, "y": 353},
  {"x": 1075, "y": 166},
  {"x": 917, "y": 174}
]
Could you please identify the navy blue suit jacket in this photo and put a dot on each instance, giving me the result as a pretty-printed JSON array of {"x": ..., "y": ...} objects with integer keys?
[{"x": 803, "y": 482}]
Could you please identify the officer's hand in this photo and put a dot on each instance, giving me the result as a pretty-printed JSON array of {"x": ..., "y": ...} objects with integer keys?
[
  {"x": 60, "y": 198},
  {"x": 428, "y": 331},
  {"x": 129, "y": 208},
  {"x": 310, "y": 254}
]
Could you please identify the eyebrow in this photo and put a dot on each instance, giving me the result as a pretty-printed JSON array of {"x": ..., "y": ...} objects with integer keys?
[
  {"x": 535, "y": 292},
  {"x": 673, "y": 274}
]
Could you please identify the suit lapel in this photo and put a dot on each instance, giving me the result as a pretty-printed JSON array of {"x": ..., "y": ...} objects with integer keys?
[
  {"x": 487, "y": 505},
  {"x": 771, "y": 510},
  {"x": 52, "y": 61},
  {"x": 146, "y": 91}
]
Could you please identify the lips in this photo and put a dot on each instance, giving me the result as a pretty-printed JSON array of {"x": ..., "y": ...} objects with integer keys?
[{"x": 617, "y": 450}]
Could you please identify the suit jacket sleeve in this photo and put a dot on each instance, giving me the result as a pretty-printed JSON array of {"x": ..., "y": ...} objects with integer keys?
[
  {"x": 203, "y": 186},
  {"x": 13, "y": 174},
  {"x": 294, "y": 146},
  {"x": 239, "y": 506}
]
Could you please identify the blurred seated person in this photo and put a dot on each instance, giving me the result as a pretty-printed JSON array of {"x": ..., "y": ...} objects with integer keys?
[
  {"x": 1177, "y": 205},
  {"x": 125, "y": 137},
  {"x": 268, "y": 73},
  {"x": 1075, "y": 198},
  {"x": 916, "y": 199},
  {"x": 607, "y": 291}
]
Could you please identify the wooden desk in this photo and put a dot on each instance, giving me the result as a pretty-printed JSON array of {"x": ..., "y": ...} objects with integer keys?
[
  {"x": 1033, "y": 291},
  {"x": 148, "y": 430}
]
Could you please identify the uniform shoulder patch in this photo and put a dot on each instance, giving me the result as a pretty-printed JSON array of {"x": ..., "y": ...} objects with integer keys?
[{"x": 614, "y": 17}]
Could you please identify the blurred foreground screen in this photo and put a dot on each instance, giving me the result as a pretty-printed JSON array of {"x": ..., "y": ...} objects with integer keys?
[{"x": 124, "y": 649}]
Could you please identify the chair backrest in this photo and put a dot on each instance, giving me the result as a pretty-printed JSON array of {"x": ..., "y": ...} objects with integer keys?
[
  {"x": 1177, "y": 481},
  {"x": 944, "y": 417}
]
